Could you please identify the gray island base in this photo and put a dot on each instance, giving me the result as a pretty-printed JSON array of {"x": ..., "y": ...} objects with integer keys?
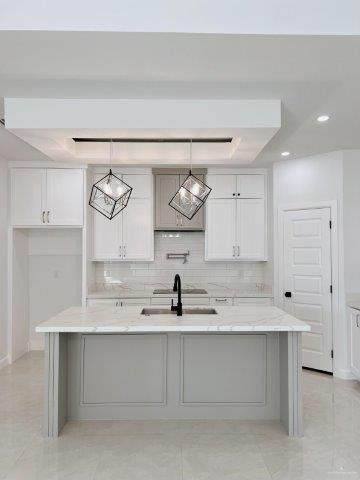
[{"x": 114, "y": 363}]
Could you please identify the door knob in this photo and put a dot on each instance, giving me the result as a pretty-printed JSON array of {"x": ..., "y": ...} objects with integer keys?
[{"x": 287, "y": 294}]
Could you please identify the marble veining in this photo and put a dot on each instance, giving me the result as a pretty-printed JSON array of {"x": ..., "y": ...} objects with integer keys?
[{"x": 244, "y": 318}]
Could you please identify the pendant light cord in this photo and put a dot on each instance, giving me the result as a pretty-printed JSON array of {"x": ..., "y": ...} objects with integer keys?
[
  {"x": 110, "y": 154},
  {"x": 190, "y": 155}
]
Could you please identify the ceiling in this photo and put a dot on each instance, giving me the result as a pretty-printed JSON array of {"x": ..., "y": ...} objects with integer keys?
[{"x": 311, "y": 75}]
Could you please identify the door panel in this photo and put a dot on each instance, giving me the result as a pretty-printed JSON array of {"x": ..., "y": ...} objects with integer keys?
[
  {"x": 28, "y": 196},
  {"x": 138, "y": 230},
  {"x": 165, "y": 188},
  {"x": 65, "y": 196},
  {"x": 307, "y": 275},
  {"x": 250, "y": 232},
  {"x": 221, "y": 229},
  {"x": 250, "y": 186},
  {"x": 107, "y": 237},
  {"x": 223, "y": 186}
]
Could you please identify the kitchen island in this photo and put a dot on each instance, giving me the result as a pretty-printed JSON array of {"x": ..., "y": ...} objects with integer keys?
[{"x": 239, "y": 362}]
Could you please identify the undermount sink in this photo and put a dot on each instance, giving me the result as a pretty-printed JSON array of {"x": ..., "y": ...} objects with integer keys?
[
  {"x": 186, "y": 311},
  {"x": 185, "y": 291}
]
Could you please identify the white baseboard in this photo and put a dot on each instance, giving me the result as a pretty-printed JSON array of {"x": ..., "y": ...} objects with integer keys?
[
  {"x": 3, "y": 362},
  {"x": 36, "y": 344},
  {"x": 344, "y": 374}
]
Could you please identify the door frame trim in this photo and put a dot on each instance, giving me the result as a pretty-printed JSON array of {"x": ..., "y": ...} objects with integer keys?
[{"x": 336, "y": 261}]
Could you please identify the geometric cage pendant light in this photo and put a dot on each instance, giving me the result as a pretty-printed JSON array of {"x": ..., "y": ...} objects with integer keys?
[
  {"x": 110, "y": 194},
  {"x": 191, "y": 195}
]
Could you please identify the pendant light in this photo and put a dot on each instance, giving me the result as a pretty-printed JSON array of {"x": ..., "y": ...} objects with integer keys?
[
  {"x": 110, "y": 194},
  {"x": 191, "y": 195}
]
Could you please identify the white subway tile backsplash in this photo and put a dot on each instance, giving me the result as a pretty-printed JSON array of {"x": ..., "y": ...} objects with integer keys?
[{"x": 194, "y": 271}]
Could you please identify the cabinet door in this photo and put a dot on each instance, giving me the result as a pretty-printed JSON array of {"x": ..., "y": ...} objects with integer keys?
[
  {"x": 107, "y": 237},
  {"x": 27, "y": 196},
  {"x": 250, "y": 229},
  {"x": 165, "y": 188},
  {"x": 197, "y": 222},
  {"x": 141, "y": 185},
  {"x": 223, "y": 186},
  {"x": 355, "y": 342},
  {"x": 250, "y": 186},
  {"x": 64, "y": 196},
  {"x": 220, "y": 229},
  {"x": 138, "y": 234}
]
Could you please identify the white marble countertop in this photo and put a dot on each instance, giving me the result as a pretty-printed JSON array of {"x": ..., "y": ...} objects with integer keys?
[
  {"x": 212, "y": 289},
  {"x": 353, "y": 300},
  {"x": 247, "y": 318}
]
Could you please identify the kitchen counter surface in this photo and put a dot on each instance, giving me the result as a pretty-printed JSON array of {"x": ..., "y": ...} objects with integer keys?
[
  {"x": 213, "y": 290},
  {"x": 353, "y": 300},
  {"x": 247, "y": 318}
]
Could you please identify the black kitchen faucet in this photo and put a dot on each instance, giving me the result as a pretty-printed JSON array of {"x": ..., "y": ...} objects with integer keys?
[{"x": 177, "y": 288}]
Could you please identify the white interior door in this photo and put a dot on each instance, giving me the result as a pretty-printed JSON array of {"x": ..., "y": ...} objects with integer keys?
[
  {"x": 307, "y": 278},
  {"x": 221, "y": 229},
  {"x": 65, "y": 196},
  {"x": 138, "y": 230}
]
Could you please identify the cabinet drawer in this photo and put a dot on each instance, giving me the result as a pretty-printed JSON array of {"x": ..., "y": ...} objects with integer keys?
[
  {"x": 134, "y": 301},
  {"x": 185, "y": 301},
  {"x": 221, "y": 301},
  {"x": 94, "y": 302},
  {"x": 254, "y": 300}
]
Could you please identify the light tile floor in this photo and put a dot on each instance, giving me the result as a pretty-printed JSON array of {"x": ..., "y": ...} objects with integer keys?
[{"x": 178, "y": 450}]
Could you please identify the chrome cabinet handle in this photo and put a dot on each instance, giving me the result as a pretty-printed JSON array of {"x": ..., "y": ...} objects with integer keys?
[
  {"x": 47, "y": 216},
  {"x": 120, "y": 251},
  {"x": 234, "y": 251},
  {"x": 124, "y": 251},
  {"x": 357, "y": 320},
  {"x": 220, "y": 299},
  {"x": 43, "y": 216},
  {"x": 238, "y": 251},
  {"x": 181, "y": 221}
]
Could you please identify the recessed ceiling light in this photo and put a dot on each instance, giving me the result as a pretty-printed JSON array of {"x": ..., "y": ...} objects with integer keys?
[
  {"x": 285, "y": 154},
  {"x": 323, "y": 118}
]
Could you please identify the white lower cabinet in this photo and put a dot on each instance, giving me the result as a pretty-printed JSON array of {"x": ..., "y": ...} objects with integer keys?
[
  {"x": 355, "y": 342},
  {"x": 253, "y": 301},
  {"x": 186, "y": 301},
  {"x": 236, "y": 229}
]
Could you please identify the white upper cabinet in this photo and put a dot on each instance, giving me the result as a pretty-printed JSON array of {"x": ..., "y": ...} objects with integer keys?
[
  {"x": 236, "y": 186},
  {"x": 130, "y": 235},
  {"x": 28, "y": 196},
  {"x": 47, "y": 197},
  {"x": 220, "y": 229},
  {"x": 250, "y": 229},
  {"x": 250, "y": 186},
  {"x": 236, "y": 217},
  {"x": 223, "y": 186},
  {"x": 107, "y": 237},
  {"x": 65, "y": 196},
  {"x": 137, "y": 242}
]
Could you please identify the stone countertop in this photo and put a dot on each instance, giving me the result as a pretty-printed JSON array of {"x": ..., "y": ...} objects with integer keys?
[
  {"x": 353, "y": 300},
  {"x": 213, "y": 290},
  {"x": 249, "y": 318}
]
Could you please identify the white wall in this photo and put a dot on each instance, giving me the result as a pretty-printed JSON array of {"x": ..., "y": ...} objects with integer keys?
[
  {"x": 195, "y": 271},
  {"x": 54, "y": 276},
  {"x": 3, "y": 260},
  {"x": 352, "y": 221},
  {"x": 309, "y": 181}
]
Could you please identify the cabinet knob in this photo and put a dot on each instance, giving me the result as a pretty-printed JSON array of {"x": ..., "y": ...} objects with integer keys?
[
  {"x": 43, "y": 216},
  {"x": 234, "y": 194},
  {"x": 234, "y": 251},
  {"x": 238, "y": 251},
  {"x": 48, "y": 216},
  {"x": 287, "y": 294},
  {"x": 238, "y": 194}
]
